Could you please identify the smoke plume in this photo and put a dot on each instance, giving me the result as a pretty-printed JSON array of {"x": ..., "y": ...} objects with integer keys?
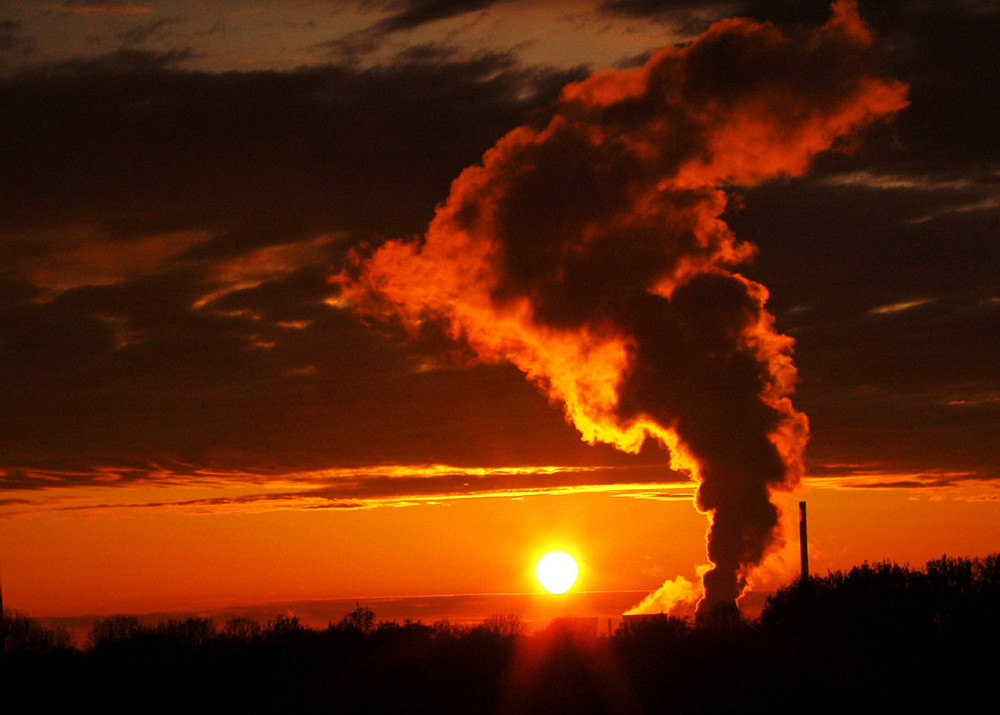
[{"x": 590, "y": 252}]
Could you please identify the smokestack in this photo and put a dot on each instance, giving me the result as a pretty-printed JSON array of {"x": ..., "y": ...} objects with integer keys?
[{"x": 803, "y": 541}]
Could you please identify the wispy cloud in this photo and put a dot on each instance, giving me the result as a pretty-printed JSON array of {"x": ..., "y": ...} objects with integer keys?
[
  {"x": 988, "y": 203},
  {"x": 976, "y": 400},
  {"x": 948, "y": 194},
  {"x": 405, "y": 15},
  {"x": 269, "y": 263},
  {"x": 83, "y": 257},
  {"x": 889, "y": 182},
  {"x": 898, "y": 307},
  {"x": 353, "y": 488},
  {"x": 957, "y": 484}
]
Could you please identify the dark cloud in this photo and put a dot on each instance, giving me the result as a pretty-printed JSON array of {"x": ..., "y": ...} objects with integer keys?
[
  {"x": 894, "y": 319},
  {"x": 107, "y": 361},
  {"x": 414, "y": 13},
  {"x": 8, "y": 34},
  {"x": 13, "y": 42},
  {"x": 148, "y": 32},
  {"x": 645, "y": 8},
  {"x": 199, "y": 387},
  {"x": 166, "y": 237},
  {"x": 689, "y": 17},
  {"x": 405, "y": 15},
  {"x": 131, "y": 142},
  {"x": 875, "y": 475},
  {"x": 351, "y": 489}
]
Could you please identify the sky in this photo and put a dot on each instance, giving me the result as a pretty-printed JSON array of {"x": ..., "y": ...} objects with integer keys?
[{"x": 266, "y": 336}]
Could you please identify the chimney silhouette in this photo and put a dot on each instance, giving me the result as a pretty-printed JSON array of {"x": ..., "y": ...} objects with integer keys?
[{"x": 803, "y": 541}]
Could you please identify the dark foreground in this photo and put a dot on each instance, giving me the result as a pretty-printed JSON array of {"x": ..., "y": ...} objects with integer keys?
[{"x": 880, "y": 636}]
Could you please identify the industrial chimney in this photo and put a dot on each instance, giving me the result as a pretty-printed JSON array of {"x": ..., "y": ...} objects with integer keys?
[{"x": 803, "y": 541}]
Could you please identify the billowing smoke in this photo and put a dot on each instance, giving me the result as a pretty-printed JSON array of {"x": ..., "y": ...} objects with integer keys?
[{"x": 590, "y": 252}]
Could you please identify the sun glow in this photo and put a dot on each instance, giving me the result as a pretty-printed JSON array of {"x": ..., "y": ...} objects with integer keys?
[{"x": 557, "y": 572}]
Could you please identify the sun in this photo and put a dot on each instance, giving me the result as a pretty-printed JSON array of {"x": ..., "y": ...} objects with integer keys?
[{"x": 557, "y": 572}]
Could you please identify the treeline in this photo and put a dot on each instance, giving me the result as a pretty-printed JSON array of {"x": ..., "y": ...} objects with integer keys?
[
  {"x": 359, "y": 664},
  {"x": 879, "y": 635}
]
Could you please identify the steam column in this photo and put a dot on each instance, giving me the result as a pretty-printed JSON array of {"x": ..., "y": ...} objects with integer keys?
[{"x": 803, "y": 541}]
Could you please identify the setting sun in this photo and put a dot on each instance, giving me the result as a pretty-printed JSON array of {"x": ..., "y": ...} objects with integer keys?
[{"x": 557, "y": 572}]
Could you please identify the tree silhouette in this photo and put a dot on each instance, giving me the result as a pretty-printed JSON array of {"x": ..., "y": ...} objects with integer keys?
[
  {"x": 889, "y": 636},
  {"x": 505, "y": 625},
  {"x": 25, "y": 636},
  {"x": 241, "y": 628},
  {"x": 117, "y": 631},
  {"x": 283, "y": 625},
  {"x": 361, "y": 620}
]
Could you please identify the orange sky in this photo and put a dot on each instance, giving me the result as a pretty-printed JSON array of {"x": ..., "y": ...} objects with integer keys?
[
  {"x": 264, "y": 341},
  {"x": 140, "y": 560}
]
